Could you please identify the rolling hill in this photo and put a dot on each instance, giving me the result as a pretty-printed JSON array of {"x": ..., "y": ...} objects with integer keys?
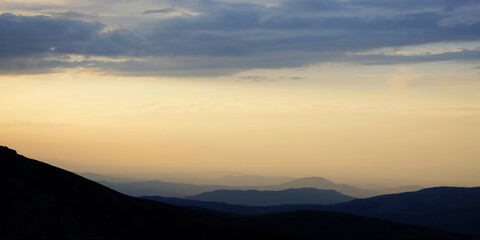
[
  {"x": 447, "y": 208},
  {"x": 322, "y": 183},
  {"x": 266, "y": 198},
  {"x": 454, "y": 209},
  {"x": 40, "y": 201}
]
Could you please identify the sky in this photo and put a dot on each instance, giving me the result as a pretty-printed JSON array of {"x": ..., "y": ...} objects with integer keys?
[{"x": 349, "y": 88}]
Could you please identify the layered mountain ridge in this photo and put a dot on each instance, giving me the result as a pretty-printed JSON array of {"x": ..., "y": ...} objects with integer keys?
[{"x": 40, "y": 201}]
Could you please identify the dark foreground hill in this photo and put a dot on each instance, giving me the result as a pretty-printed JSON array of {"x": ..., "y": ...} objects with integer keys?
[
  {"x": 266, "y": 198},
  {"x": 447, "y": 208},
  {"x": 40, "y": 201}
]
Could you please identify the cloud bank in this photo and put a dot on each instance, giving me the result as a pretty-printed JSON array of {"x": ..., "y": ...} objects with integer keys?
[{"x": 221, "y": 37}]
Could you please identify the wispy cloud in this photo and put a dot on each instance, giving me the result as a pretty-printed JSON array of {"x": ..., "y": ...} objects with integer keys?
[
  {"x": 163, "y": 10},
  {"x": 73, "y": 15}
]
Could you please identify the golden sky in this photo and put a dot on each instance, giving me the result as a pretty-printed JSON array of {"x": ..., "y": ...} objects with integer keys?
[
  {"x": 401, "y": 122},
  {"x": 347, "y": 89}
]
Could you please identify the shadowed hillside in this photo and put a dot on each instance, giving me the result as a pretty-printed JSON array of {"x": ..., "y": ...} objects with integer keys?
[
  {"x": 447, "y": 208},
  {"x": 44, "y": 202},
  {"x": 40, "y": 201}
]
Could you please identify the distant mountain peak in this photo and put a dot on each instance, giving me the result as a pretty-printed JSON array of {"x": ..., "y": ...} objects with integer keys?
[{"x": 311, "y": 181}]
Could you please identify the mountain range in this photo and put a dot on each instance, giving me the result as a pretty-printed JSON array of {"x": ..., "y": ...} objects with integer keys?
[
  {"x": 202, "y": 178},
  {"x": 448, "y": 208},
  {"x": 181, "y": 190},
  {"x": 40, "y": 201}
]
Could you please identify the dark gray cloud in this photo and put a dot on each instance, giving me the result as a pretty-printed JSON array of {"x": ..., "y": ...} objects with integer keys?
[
  {"x": 224, "y": 37},
  {"x": 27, "y": 36}
]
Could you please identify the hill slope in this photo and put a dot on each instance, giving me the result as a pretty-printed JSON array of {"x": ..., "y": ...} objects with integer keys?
[
  {"x": 40, "y": 201},
  {"x": 448, "y": 208}
]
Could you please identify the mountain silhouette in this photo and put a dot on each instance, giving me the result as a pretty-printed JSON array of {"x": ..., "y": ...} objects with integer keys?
[
  {"x": 322, "y": 183},
  {"x": 232, "y": 180},
  {"x": 454, "y": 209},
  {"x": 40, "y": 201},
  {"x": 266, "y": 198},
  {"x": 447, "y": 208},
  {"x": 225, "y": 207},
  {"x": 400, "y": 189},
  {"x": 170, "y": 189}
]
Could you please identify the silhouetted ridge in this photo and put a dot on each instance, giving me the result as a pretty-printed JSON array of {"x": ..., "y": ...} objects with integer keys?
[
  {"x": 40, "y": 201},
  {"x": 5, "y": 151},
  {"x": 323, "y": 183},
  {"x": 455, "y": 209},
  {"x": 137, "y": 188}
]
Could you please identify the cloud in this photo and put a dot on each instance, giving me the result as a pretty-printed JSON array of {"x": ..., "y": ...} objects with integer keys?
[
  {"x": 224, "y": 37},
  {"x": 163, "y": 11},
  {"x": 72, "y": 15},
  {"x": 255, "y": 78},
  {"x": 28, "y": 36},
  {"x": 382, "y": 59},
  {"x": 467, "y": 15}
]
